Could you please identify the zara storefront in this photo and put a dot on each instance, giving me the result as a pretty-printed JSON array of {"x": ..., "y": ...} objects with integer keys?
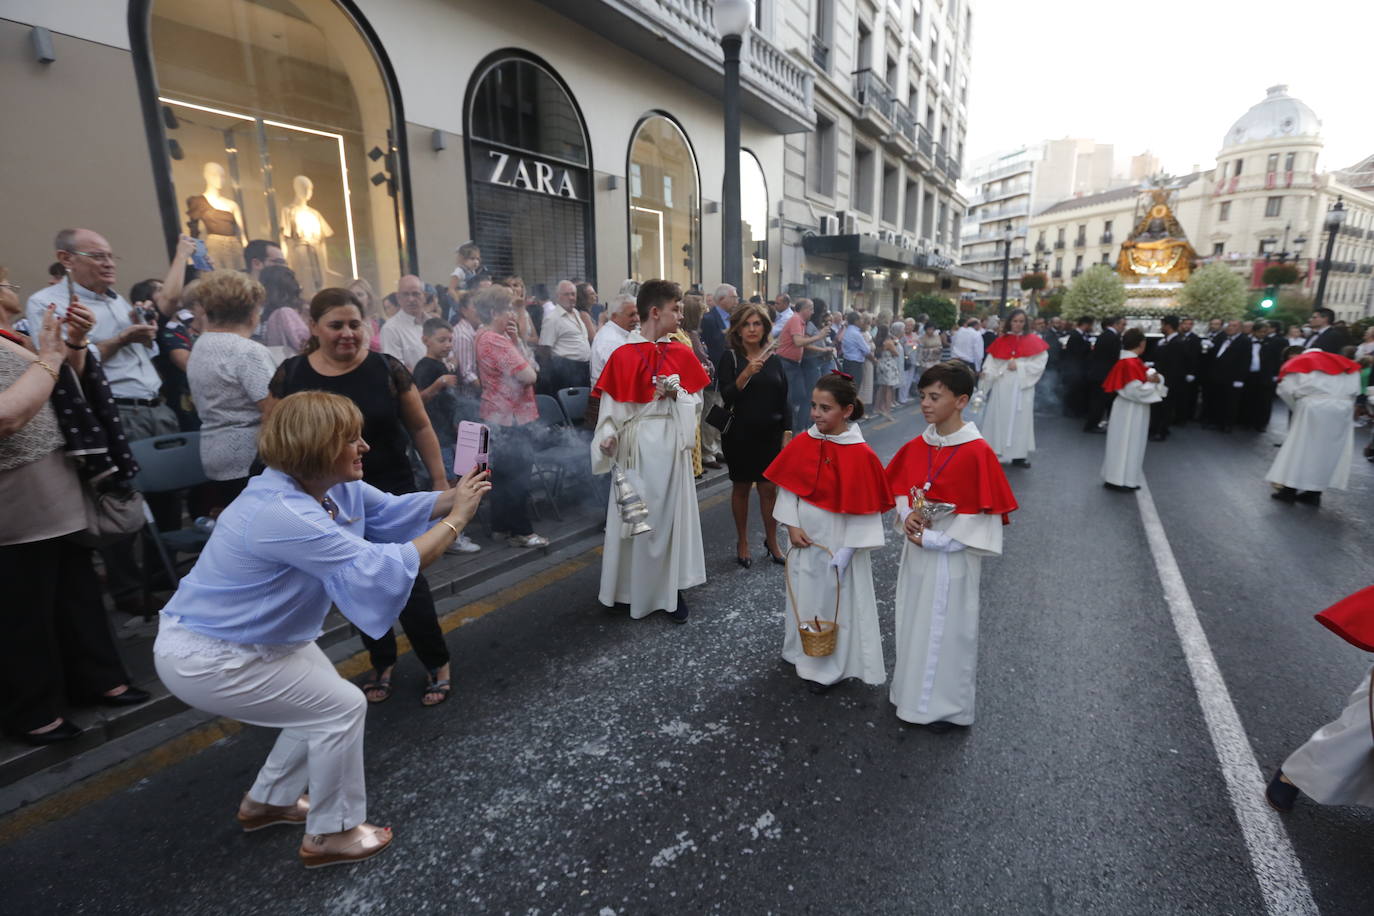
[{"x": 371, "y": 137}]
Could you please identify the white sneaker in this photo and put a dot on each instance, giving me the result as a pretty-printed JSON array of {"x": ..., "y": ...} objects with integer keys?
[
  {"x": 527, "y": 540},
  {"x": 464, "y": 544}
]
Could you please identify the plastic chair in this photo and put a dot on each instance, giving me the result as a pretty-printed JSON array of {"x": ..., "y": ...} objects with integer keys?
[
  {"x": 167, "y": 463},
  {"x": 550, "y": 411},
  {"x": 574, "y": 403},
  {"x": 552, "y": 463}
]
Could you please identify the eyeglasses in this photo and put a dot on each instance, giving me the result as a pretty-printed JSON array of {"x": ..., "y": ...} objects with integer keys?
[{"x": 100, "y": 257}]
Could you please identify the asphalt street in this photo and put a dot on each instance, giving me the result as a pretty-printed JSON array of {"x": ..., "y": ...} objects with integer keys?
[{"x": 593, "y": 764}]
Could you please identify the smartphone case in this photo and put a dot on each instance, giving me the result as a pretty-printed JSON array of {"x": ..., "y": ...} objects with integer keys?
[{"x": 472, "y": 448}]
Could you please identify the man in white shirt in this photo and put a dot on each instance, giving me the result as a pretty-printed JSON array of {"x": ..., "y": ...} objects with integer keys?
[
  {"x": 565, "y": 334},
  {"x": 967, "y": 345},
  {"x": 401, "y": 335},
  {"x": 783, "y": 306},
  {"x": 620, "y": 321}
]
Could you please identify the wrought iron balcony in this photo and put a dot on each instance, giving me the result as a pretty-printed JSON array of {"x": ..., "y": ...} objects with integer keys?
[
  {"x": 1106, "y": 238},
  {"x": 872, "y": 95},
  {"x": 1059, "y": 245},
  {"x": 1081, "y": 242},
  {"x": 923, "y": 141},
  {"x": 680, "y": 36},
  {"x": 905, "y": 122}
]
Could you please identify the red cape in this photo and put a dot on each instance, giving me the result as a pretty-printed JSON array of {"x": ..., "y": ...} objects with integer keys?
[
  {"x": 1012, "y": 346},
  {"x": 1320, "y": 361},
  {"x": 973, "y": 480},
  {"x": 1123, "y": 373},
  {"x": 1352, "y": 618},
  {"x": 629, "y": 373},
  {"x": 837, "y": 478}
]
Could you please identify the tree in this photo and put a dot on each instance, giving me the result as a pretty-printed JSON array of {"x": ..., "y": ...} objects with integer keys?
[
  {"x": 1097, "y": 292},
  {"x": 1052, "y": 303},
  {"x": 940, "y": 310},
  {"x": 1280, "y": 275},
  {"x": 1215, "y": 291}
]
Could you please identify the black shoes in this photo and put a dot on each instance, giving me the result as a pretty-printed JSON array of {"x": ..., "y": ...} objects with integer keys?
[
  {"x": 679, "y": 614},
  {"x": 772, "y": 556},
  {"x": 942, "y": 726},
  {"x": 1285, "y": 495},
  {"x": 746, "y": 562},
  {"x": 818, "y": 688},
  {"x": 130, "y": 697},
  {"x": 1290, "y": 495},
  {"x": 1020, "y": 462},
  {"x": 1280, "y": 795},
  {"x": 64, "y": 732},
  {"x": 1310, "y": 497},
  {"x": 1119, "y": 488}
]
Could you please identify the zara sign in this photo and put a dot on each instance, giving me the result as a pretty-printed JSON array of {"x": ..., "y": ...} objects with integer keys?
[{"x": 528, "y": 173}]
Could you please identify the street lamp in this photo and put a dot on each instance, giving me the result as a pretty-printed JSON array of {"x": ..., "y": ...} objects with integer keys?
[
  {"x": 1334, "y": 217},
  {"x": 1006, "y": 268},
  {"x": 733, "y": 18}
]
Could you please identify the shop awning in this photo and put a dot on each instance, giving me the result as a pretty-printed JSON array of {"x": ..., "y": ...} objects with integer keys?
[{"x": 866, "y": 251}]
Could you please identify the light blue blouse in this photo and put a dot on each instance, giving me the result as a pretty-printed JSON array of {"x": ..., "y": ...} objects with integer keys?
[{"x": 276, "y": 561}]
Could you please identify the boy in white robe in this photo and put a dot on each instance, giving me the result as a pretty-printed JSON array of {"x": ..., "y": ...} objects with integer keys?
[
  {"x": 1136, "y": 388},
  {"x": 650, "y": 390},
  {"x": 1320, "y": 389},
  {"x": 832, "y": 494},
  {"x": 1012, "y": 368},
  {"x": 937, "y": 585}
]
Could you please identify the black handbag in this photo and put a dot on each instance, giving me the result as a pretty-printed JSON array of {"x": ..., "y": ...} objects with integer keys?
[{"x": 720, "y": 418}]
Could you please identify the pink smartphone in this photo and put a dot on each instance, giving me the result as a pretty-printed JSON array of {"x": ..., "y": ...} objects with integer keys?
[{"x": 473, "y": 447}]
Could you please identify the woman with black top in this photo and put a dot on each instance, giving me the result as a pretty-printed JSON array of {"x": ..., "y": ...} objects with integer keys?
[
  {"x": 336, "y": 359},
  {"x": 754, "y": 390}
]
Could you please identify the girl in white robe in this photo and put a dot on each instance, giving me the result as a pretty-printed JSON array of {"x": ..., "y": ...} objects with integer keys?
[
  {"x": 1320, "y": 389},
  {"x": 818, "y": 473},
  {"x": 934, "y": 679},
  {"x": 1012, "y": 368},
  {"x": 1136, "y": 388}
]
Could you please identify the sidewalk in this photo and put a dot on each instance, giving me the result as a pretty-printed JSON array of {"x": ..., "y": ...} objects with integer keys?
[{"x": 451, "y": 579}]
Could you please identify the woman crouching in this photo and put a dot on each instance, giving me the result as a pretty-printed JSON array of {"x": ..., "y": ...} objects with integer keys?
[{"x": 238, "y": 637}]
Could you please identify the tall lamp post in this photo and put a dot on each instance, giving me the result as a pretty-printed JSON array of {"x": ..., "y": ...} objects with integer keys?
[
  {"x": 1334, "y": 217},
  {"x": 733, "y": 18},
  {"x": 1006, "y": 268}
]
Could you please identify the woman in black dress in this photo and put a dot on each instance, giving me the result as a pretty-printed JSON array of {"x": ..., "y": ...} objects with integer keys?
[
  {"x": 755, "y": 392},
  {"x": 337, "y": 359}
]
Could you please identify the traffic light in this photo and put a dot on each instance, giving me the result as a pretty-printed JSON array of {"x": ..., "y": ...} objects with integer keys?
[{"x": 1271, "y": 296}]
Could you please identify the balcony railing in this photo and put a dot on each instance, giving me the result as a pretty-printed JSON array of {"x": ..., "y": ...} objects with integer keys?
[
  {"x": 923, "y": 141},
  {"x": 905, "y": 121},
  {"x": 1076, "y": 272},
  {"x": 1106, "y": 238},
  {"x": 872, "y": 92},
  {"x": 954, "y": 170},
  {"x": 1057, "y": 273},
  {"x": 1059, "y": 245},
  {"x": 941, "y": 162},
  {"x": 1081, "y": 242},
  {"x": 820, "y": 54}
]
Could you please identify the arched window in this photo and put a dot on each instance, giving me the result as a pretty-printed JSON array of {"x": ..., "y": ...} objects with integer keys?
[
  {"x": 279, "y": 124},
  {"x": 753, "y": 209},
  {"x": 665, "y": 204},
  {"x": 530, "y": 172}
]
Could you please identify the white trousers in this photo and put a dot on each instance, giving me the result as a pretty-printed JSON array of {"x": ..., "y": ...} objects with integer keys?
[
  {"x": 320, "y": 714},
  {"x": 710, "y": 436}
]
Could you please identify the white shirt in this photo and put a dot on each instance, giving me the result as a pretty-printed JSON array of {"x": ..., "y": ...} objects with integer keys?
[
  {"x": 604, "y": 344},
  {"x": 967, "y": 344},
  {"x": 565, "y": 334},
  {"x": 129, "y": 369},
  {"x": 782, "y": 320},
  {"x": 402, "y": 338}
]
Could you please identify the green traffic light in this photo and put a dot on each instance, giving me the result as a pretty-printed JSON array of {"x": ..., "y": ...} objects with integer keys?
[{"x": 1266, "y": 303}]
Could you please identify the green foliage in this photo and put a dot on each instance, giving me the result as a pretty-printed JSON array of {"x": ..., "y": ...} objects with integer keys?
[
  {"x": 1215, "y": 291},
  {"x": 1280, "y": 274},
  {"x": 1033, "y": 281},
  {"x": 1098, "y": 292},
  {"x": 1052, "y": 303},
  {"x": 942, "y": 311},
  {"x": 1292, "y": 308}
]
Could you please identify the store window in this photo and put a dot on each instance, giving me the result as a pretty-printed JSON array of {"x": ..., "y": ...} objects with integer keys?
[
  {"x": 530, "y": 172},
  {"x": 665, "y": 204},
  {"x": 278, "y": 123},
  {"x": 753, "y": 209}
]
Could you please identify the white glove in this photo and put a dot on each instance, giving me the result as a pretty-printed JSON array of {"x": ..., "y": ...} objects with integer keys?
[
  {"x": 903, "y": 511},
  {"x": 939, "y": 541},
  {"x": 1191, "y": 378},
  {"x": 841, "y": 559},
  {"x": 1237, "y": 384}
]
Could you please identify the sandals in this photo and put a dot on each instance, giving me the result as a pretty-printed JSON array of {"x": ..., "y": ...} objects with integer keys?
[
  {"x": 436, "y": 685},
  {"x": 378, "y": 684},
  {"x": 369, "y": 840},
  {"x": 272, "y": 815}
]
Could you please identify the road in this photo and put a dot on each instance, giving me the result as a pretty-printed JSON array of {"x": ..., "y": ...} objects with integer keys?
[{"x": 593, "y": 764}]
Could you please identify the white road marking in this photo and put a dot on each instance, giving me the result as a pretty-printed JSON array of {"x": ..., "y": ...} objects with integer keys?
[{"x": 1276, "y": 866}]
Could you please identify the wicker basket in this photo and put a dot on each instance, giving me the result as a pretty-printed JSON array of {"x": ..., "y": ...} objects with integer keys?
[{"x": 817, "y": 636}]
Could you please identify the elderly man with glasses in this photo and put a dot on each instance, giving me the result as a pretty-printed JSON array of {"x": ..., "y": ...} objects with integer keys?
[
  {"x": 124, "y": 338},
  {"x": 401, "y": 335}
]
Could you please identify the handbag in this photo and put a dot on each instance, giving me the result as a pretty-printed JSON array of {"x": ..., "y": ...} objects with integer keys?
[
  {"x": 721, "y": 416},
  {"x": 112, "y": 514}
]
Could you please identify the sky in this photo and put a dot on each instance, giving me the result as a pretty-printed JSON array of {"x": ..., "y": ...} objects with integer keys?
[{"x": 1165, "y": 77}]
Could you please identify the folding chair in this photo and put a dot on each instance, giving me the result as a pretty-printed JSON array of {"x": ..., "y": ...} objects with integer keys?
[
  {"x": 167, "y": 463},
  {"x": 552, "y": 462},
  {"x": 574, "y": 403}
]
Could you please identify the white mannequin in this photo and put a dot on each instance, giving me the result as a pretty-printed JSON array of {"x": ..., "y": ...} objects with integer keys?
[
  {"x": 225, "y": 249},
  {"x": 304, "y": 230}
]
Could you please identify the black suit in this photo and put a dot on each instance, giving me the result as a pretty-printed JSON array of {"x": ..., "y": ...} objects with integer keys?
[
  {"x": 1073, "y": 365},
  {"x": 1229, "y": 364},
  {"x": 1106, "y": 351},
  {"x": 1187, "y": 403},
  {"x": 1330, "y": 339},
  {"x": 1257, "y": 397},
  {"x": 713, "y": 328},
  {"x": 1171, "y": 361}
]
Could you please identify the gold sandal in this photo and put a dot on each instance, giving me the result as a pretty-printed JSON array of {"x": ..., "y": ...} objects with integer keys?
[
  {"x": 373, "y": 840},
  {"x": 275, "y": 814}
]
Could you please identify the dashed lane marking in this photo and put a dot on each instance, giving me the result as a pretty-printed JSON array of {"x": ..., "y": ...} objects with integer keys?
[{"x": 1275, "y": 864}]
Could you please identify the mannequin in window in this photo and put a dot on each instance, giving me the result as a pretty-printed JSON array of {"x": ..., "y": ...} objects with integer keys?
[
  {"x": 303, "y": 231},
  {"x": 216, "y": 218}
]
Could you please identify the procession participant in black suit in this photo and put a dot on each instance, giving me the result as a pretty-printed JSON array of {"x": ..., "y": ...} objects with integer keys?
[
  {"x": 1170, "y": 359},
  {"x": 1216, "y": 333},
  {"x": 1106, "y": 351},
  {"x": 1078, "y": 347},
  {"x": 1050, "y": 335},
  {"x": 1261, "y": 377},
  {"x": 1227, "y": 368},
  {"x": 1326, "y": 337},
  {"x": 1186, "y": 404}
]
